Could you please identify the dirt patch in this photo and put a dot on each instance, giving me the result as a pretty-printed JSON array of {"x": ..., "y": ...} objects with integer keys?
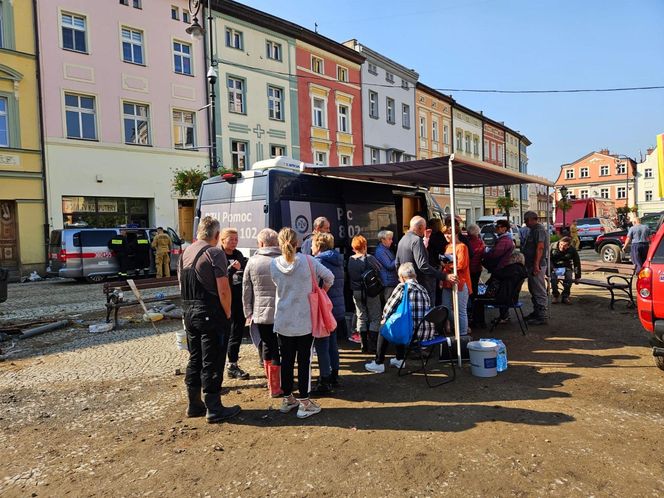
[{"x": 578, "y": 413}]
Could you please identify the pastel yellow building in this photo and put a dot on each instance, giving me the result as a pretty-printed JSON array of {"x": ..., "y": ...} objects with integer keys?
[{"x": 22, "y": 217}]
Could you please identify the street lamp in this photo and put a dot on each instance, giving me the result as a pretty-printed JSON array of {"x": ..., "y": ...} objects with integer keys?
[
  {"x": 197, "y": 32},
  {"x": 563, "y": 200}
]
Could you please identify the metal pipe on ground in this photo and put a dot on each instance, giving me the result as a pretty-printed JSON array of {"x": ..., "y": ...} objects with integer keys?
[{"x": 43, "y": 328}]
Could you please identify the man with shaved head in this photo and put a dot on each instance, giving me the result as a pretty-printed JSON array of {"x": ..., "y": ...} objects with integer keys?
[{"x": 411, "y": 250}]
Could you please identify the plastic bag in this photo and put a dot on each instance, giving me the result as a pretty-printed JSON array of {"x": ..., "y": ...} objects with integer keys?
[{"x": 398, "y": 328}]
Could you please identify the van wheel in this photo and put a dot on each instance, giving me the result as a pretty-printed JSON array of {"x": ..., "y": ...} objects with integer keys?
[
  {"x": 611, "y": 253},
  {"x": 659, "y": 361},
  {"x": 95, "y": 279}
]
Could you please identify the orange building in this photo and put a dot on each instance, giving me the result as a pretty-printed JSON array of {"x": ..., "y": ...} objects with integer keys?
[{"x": 602, "y": 175}]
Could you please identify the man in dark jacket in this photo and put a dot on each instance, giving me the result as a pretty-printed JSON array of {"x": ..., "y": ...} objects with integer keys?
[
  {"x": 564, "y": 261},
  {"x": 321, "y": 225},
  {"x": 411, "y": 250}
]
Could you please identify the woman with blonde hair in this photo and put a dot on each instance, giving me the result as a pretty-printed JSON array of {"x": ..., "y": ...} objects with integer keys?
[{"x": 292, "y": 275}]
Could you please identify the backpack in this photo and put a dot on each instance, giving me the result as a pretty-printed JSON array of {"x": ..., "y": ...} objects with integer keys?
[
  {"x": 398, "y": 328},
  {"x": 372, "y": 285}
]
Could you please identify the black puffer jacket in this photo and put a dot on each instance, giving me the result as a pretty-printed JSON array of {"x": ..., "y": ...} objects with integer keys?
[{"x": 566, "y": 259}]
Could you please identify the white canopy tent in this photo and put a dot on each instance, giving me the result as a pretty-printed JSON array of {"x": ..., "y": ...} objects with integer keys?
[{"x": 445, "y": 171}]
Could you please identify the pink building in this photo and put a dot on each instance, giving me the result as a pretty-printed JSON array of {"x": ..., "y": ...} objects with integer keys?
[{"x": 122, "y": 86}]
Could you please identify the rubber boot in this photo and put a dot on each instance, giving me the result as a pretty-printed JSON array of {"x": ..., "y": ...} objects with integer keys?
[
  {"x": 323, "y": 387},
  {"x": 216, "y": 412},
  {"x": 365, "y": 341},
  {"x": 274, "y": 380},
  {"x": 373, "y": 341},
  {"x": 196, "y": 407}
]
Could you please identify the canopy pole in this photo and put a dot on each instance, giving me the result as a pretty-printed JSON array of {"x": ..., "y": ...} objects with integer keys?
[
  {"x": 548, "y": 254},
  {"x": 455, "y": 288}
]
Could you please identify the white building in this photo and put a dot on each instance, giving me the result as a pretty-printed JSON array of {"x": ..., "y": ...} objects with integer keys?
[
  {"x": 467, "y": 142},
  {"x": 388, "y": 108},
  {"x": 647, "y": 185}
]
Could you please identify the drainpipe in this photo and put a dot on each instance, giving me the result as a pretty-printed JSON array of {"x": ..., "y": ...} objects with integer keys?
[{"x": 42, "y": 134}]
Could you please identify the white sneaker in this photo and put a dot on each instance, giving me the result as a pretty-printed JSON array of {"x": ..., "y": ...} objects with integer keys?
[
  {"x": 396, "y": 363},
  {"x": 288, "y": 403},
  {"x": 307, "y": 409},
  {"x": 374, "y": 367}
]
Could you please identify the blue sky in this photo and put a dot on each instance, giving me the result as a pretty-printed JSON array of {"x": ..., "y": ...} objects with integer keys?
[{"x": 515, "y": 45}]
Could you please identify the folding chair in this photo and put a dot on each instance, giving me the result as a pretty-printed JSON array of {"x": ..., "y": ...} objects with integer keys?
[
  {"x": 515, "y": 304},
  {"x": 437, "y": 316}
]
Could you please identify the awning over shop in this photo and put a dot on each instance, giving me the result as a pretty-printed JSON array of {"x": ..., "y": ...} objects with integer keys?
[{"x": 430, "y": 173}]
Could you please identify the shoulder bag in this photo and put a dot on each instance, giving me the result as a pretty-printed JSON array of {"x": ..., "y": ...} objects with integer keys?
[
  {"x": 323, "y": 322},
  {"x": 398, "y": 328}
]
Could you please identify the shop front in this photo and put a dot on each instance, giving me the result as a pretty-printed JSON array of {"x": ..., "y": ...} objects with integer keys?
[{"x": 104, "y": 212}]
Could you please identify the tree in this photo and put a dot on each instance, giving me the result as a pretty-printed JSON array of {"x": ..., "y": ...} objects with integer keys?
[
  {"x": 188, "y": 181},
  {"x": 564, "y": 205},
  {"x": 504, "y": 203}
]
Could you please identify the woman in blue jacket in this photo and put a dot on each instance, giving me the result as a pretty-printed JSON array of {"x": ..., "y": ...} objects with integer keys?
[
  {"x": 327, "y": 351},
  {"x": 385, "y": 256}
]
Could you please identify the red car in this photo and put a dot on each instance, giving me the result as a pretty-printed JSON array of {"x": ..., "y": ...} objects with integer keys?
[{"x": 650, "y": 296}]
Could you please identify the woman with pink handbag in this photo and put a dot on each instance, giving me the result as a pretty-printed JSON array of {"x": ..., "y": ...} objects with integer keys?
[{"x": 294, "y": 276}]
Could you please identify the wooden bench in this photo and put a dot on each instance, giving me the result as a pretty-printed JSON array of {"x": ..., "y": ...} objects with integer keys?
[
  {"x": 620, "y": 281},
  {"x": 115, "y": 294}
]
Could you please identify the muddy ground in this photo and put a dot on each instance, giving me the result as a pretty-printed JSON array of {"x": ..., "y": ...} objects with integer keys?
[{"x": 579, "y": 412}]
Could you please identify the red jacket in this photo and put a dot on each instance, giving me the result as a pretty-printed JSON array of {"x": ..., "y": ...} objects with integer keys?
[{"x": 478, "y": 246}]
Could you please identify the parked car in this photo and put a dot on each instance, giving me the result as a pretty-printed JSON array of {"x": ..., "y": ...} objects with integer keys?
[
  {"x": 650, "y": 296},
  {"x": 609, "y": 245},
  {"x": 591, "y": 228},
  {"x": 488, "y": 235},
  {"x": 83, "y": 253}
]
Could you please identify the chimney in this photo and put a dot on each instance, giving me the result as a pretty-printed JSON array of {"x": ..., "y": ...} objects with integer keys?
[
  {"x": 604, "y": 151},
  {"x": 650, "y": 150}
]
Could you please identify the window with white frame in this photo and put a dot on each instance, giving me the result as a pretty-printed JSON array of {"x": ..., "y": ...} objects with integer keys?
[
  {"x": 236, "y": 102},
  {"x": 132, "y": 45},
  {"x": 648, "y": 195},
  {"x": 459, "y": 141},
  {"x": 404, "y": 84},
  {"x": 136, "y": 118},
  {"x": 239, "y": 151},
  {"x": 584, "y": 194},
  {"x": 275, "y": 102},
  {"x": 476, "y": 145},
  {"x": 621, "y": 169},
  {"x": 405, "y": 115},
  {"x": 137, "y": 4},
  {"x": 621, "y": 193},
  {"x": 604, "y": 193},
  {"x": 277, "y": 150},
  {"x": 4, "y": 122},
  {"x": 175, "y": 13},
  {"x": 423, "y": 127},
  {"x": 182, "y": 58},
  {"x": 372, "y": 68},
  {"x": 493, "y": 151},
  {"x": 80, "y": 116},
  {"x": 394, "y": 156},
  {"x": 604, "y": 170},
  {"x": 273, "y": 50},
  {"x": 184, "y": 129},
  {"x": 317, "y": 65},
  {"x": 389, "y": 77},
  {"x": 468, "y": 140},
  {"x": 344, "y": 160},
  {"x": 320, "y": 158},
  {"x": 234, "y": 38},
  {"x": 342, "y": 74},
  {"x": 434, "y": 130},
  {"x": 584, "y": 173},
  {"x": 373, "y": 104},
  {"x": 343, "y": 115},
  {"x": 500, "y": 154},
  {"x": 389, "y": 110},
  {"x": 569, "y": 174},
  {"x": 318, "y": 113},
  {"x": 375, "y": 155},
  {"x": 486, "y": 147},
  {"x": 186, "y": 18},
  {"x": 74, "y": 35},
  {"x": 446, "y": 134},
  {"x": 647, "y": 173}
]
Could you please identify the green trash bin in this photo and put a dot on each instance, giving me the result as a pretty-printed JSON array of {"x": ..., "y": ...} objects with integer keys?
[{"x": 4, "y": 276}]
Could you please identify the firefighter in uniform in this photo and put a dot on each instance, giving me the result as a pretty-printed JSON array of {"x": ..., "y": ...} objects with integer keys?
[
  {"x": 142, "y": 254},
  {"x": 162, "y": 246},
  {"x": 118, "y": 244},
  {"x": 206, "y": 302}
]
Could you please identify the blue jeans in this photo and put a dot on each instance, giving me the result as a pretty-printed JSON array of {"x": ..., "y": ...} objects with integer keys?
[
  {"x": 463, "y": 307},
  {"x": 327, "y": 352}
]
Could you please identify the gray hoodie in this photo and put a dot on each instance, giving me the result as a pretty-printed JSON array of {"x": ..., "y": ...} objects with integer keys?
[
  {"x": 292, "y": 316},
  {"x": 258, "y": 290}
]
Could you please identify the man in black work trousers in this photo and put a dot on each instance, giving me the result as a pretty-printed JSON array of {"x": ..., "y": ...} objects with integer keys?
[{"x": 206, "y": 302}]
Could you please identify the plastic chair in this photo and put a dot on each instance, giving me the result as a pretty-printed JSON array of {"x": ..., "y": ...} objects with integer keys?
[{"x": 437, "y": 316}]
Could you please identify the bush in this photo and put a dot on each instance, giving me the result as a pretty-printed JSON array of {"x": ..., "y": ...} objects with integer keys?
[
  {"x": 555, "y": 238},
  {"x": 188, "y": 181}
]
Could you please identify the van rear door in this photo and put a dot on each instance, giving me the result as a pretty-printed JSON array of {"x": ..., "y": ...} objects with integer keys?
[
  {"x": 96, "y": 257},
  {"x": 56, "y": 257}
]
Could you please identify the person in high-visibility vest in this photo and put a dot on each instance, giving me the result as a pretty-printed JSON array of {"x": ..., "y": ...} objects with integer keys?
[
  {"x": 118, "y": 244},
  {"x": 142, "y": 253},
  {"x": 162, "y": 244}
]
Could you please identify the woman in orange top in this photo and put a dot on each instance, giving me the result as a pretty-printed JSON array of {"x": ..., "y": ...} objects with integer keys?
[{"x": 463, "y": 278}]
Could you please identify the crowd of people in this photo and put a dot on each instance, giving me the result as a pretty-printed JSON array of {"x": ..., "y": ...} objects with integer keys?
[{"x": 223, "y": 292}]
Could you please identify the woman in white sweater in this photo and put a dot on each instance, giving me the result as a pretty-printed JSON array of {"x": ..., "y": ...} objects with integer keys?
[{"x": 291, "y": 274}]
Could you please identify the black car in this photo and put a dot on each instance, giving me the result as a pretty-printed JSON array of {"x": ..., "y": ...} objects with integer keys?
[{"x": 610, "y": 245}]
